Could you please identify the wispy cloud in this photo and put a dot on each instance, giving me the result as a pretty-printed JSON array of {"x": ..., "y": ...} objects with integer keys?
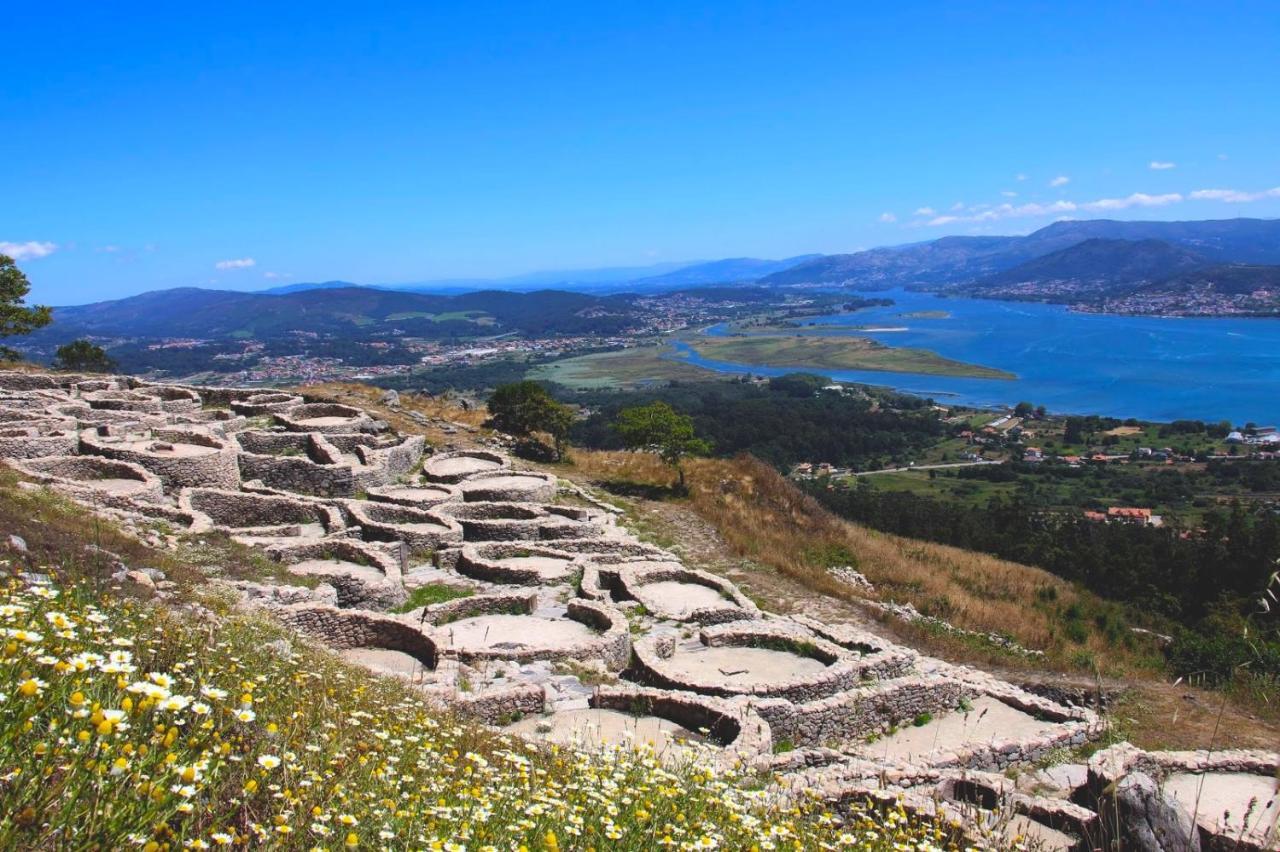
[
  {"x": 238, "y": 263},
  {"x": 30, "y": 250},
  {"x": 1162, "y": 165},
  {"x": 926, "y": 211},
  {"x": 888, "y": 218},
  {"x": 1060, "y": 180},
  {"x": 1008, "y": 193},
  {"x": 1137, "y": 199},
  {"x": 1223, "y": 157},
  {"x": 1234, "y": 196},
  {"x": 1009, "y": 211},
  {"x": 1057, "y": 208},
  {"x": 1020, "y": 176},
  {"x": 276, "y": 276}
]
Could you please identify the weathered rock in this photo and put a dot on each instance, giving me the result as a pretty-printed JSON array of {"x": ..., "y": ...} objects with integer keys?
[
  {"x": 140, "y": 579},
  {"x": 18, "y": 543},
  {"x": 1150, "y": 820}
]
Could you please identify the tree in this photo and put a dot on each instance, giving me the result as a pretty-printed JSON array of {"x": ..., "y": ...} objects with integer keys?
[
  {"x": 660, "y": 428},
  {"x": 522, "y": 408},
  {"x": 16, "y": 317},
  {"x": 1023, "y": 409},
  {"x": 81, "y": 355}
]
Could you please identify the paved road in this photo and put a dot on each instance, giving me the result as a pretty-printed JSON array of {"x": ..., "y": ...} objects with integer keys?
[{"x": 929, "y": 467}]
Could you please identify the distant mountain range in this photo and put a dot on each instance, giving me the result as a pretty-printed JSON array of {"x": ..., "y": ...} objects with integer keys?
[
  {"x": 1171, "y": 267},
  {"x": 631, "y": 279},
  {"x": 959, "y": 261}
]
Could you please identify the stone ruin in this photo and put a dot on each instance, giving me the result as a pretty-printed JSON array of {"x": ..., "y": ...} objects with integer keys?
[{"x": 557, "y": 624}]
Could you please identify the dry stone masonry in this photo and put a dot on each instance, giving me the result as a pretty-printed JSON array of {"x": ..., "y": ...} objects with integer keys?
[{"x": 559, "y": 624}]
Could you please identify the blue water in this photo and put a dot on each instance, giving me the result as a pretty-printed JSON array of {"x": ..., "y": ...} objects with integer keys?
[{"x": 1152, "y": 368}]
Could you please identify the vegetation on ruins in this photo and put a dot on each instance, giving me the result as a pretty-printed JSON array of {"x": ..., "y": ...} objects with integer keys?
[
  {"x": 82, "y": 356},
  {"x": 16, "y": 316},
  {"x": 660, "y": 428},
  {"x": 525, "y": 408}
]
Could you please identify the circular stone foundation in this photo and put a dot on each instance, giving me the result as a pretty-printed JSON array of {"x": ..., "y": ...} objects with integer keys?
[
  {"x": 742, "y": 667},
  {"x": 591, "y": 728},
  {"x": 679, "y": 599},
  {"x": 491, "y": 635},
  {"x": 422, "y": 496},
  {"x": 512, "y": 487},
  {"x": 454, "y": 467}
]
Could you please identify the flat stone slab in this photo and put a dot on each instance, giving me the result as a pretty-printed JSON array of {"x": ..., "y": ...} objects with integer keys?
[
  {"x": 326, "y": 567},
  {"x": 592, "y": 728},
  {"x": 326, "y": 421},
  {"x": 417, "y": 493},
  {"x": 680, "y": 599},
  {"x": 165, "y": 449},
  {"x": 1021, "y": 829},
  {"x": 1220, "y": 802},
  {"x": 740, "y": 666},
  {"x": 517, "y": 632},
  {"x": 548, "y": 567},
  {"x": 989, "y": 721},
  {"x": 384, "y": 661},
  {"x": 462, "y": 466},
  {"x": 115, "y": 486},
  {"x": 514, "y": 483}
]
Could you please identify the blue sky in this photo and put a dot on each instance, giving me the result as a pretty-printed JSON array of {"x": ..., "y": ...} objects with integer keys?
[{"x": 144, "y": 146}]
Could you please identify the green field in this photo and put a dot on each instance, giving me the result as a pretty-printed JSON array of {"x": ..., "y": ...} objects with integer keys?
[
  {"x": 626, "y": 368},
  {"x": 836, "y": 353}
]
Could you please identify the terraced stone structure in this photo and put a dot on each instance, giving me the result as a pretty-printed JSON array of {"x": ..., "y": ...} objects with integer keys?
[{"x": 564, "y": 626}]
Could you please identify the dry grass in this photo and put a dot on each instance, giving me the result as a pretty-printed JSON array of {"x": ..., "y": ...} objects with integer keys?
[
  {"x": 435, "y": 408},
  {"x": 764, "y": 518}
]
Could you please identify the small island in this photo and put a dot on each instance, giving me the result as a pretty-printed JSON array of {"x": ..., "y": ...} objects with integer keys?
[
  {"x": 836, "y": 353},
  {"x": 926, "y": 315}
]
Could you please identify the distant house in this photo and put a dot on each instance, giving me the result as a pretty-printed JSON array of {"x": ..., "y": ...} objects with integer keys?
[
  {"x": 1096, "y": 517},
  {"x": 1134, "y": 515},
  {"x": 1235, "y": 438},
  {"x": 1033, "y": 454}
]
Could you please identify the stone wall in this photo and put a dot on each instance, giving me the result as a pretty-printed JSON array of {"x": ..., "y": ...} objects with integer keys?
[
  {"x": 218, "y": 469},
  {"x": 351, "y": 628},
  {"x": 421, "y": 530},
  {"x": 80, "y": 473},
  {"x": 238, "y": 510}
]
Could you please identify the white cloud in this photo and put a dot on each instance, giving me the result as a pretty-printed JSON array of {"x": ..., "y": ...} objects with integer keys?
[
  {"x": 238, "y": 263},
  {"x": 1009, "y": 211},
  {"x": 888, "y": 218},
  {"x": 1137, "y": 199},
  {"x": 1223, "y": 157},
  {"x": 1162, "y": 165},
  {"x": 1234, "y": 196},
  {"x": 1008, "y": 194},
  {"x": 1060, "y": 180},
  {"x": 275, "y": 276},
  {"x": 109, "y": 249},
  {"x": 926, "y": 211},
  {"x": 29, "y": 250},
  {"x": 959, "y": 205},
  {"x": 1021, "y": 176}
]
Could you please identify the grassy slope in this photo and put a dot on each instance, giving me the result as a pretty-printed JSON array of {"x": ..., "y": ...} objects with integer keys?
[{"x": 836, "y": 353}]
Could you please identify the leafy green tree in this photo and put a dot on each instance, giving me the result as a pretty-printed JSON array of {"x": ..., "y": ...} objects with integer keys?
[
  {"x": 523, "y": 408},
  {"x": 81, "y": 355},
  {"x": 662, "y": 429},
  {"x": 1024, "y": 409},
  {"x": 17, "y": 317}
]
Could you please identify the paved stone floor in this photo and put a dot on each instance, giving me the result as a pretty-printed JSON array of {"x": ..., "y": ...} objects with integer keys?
[{"x": 989, "y": 720}]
